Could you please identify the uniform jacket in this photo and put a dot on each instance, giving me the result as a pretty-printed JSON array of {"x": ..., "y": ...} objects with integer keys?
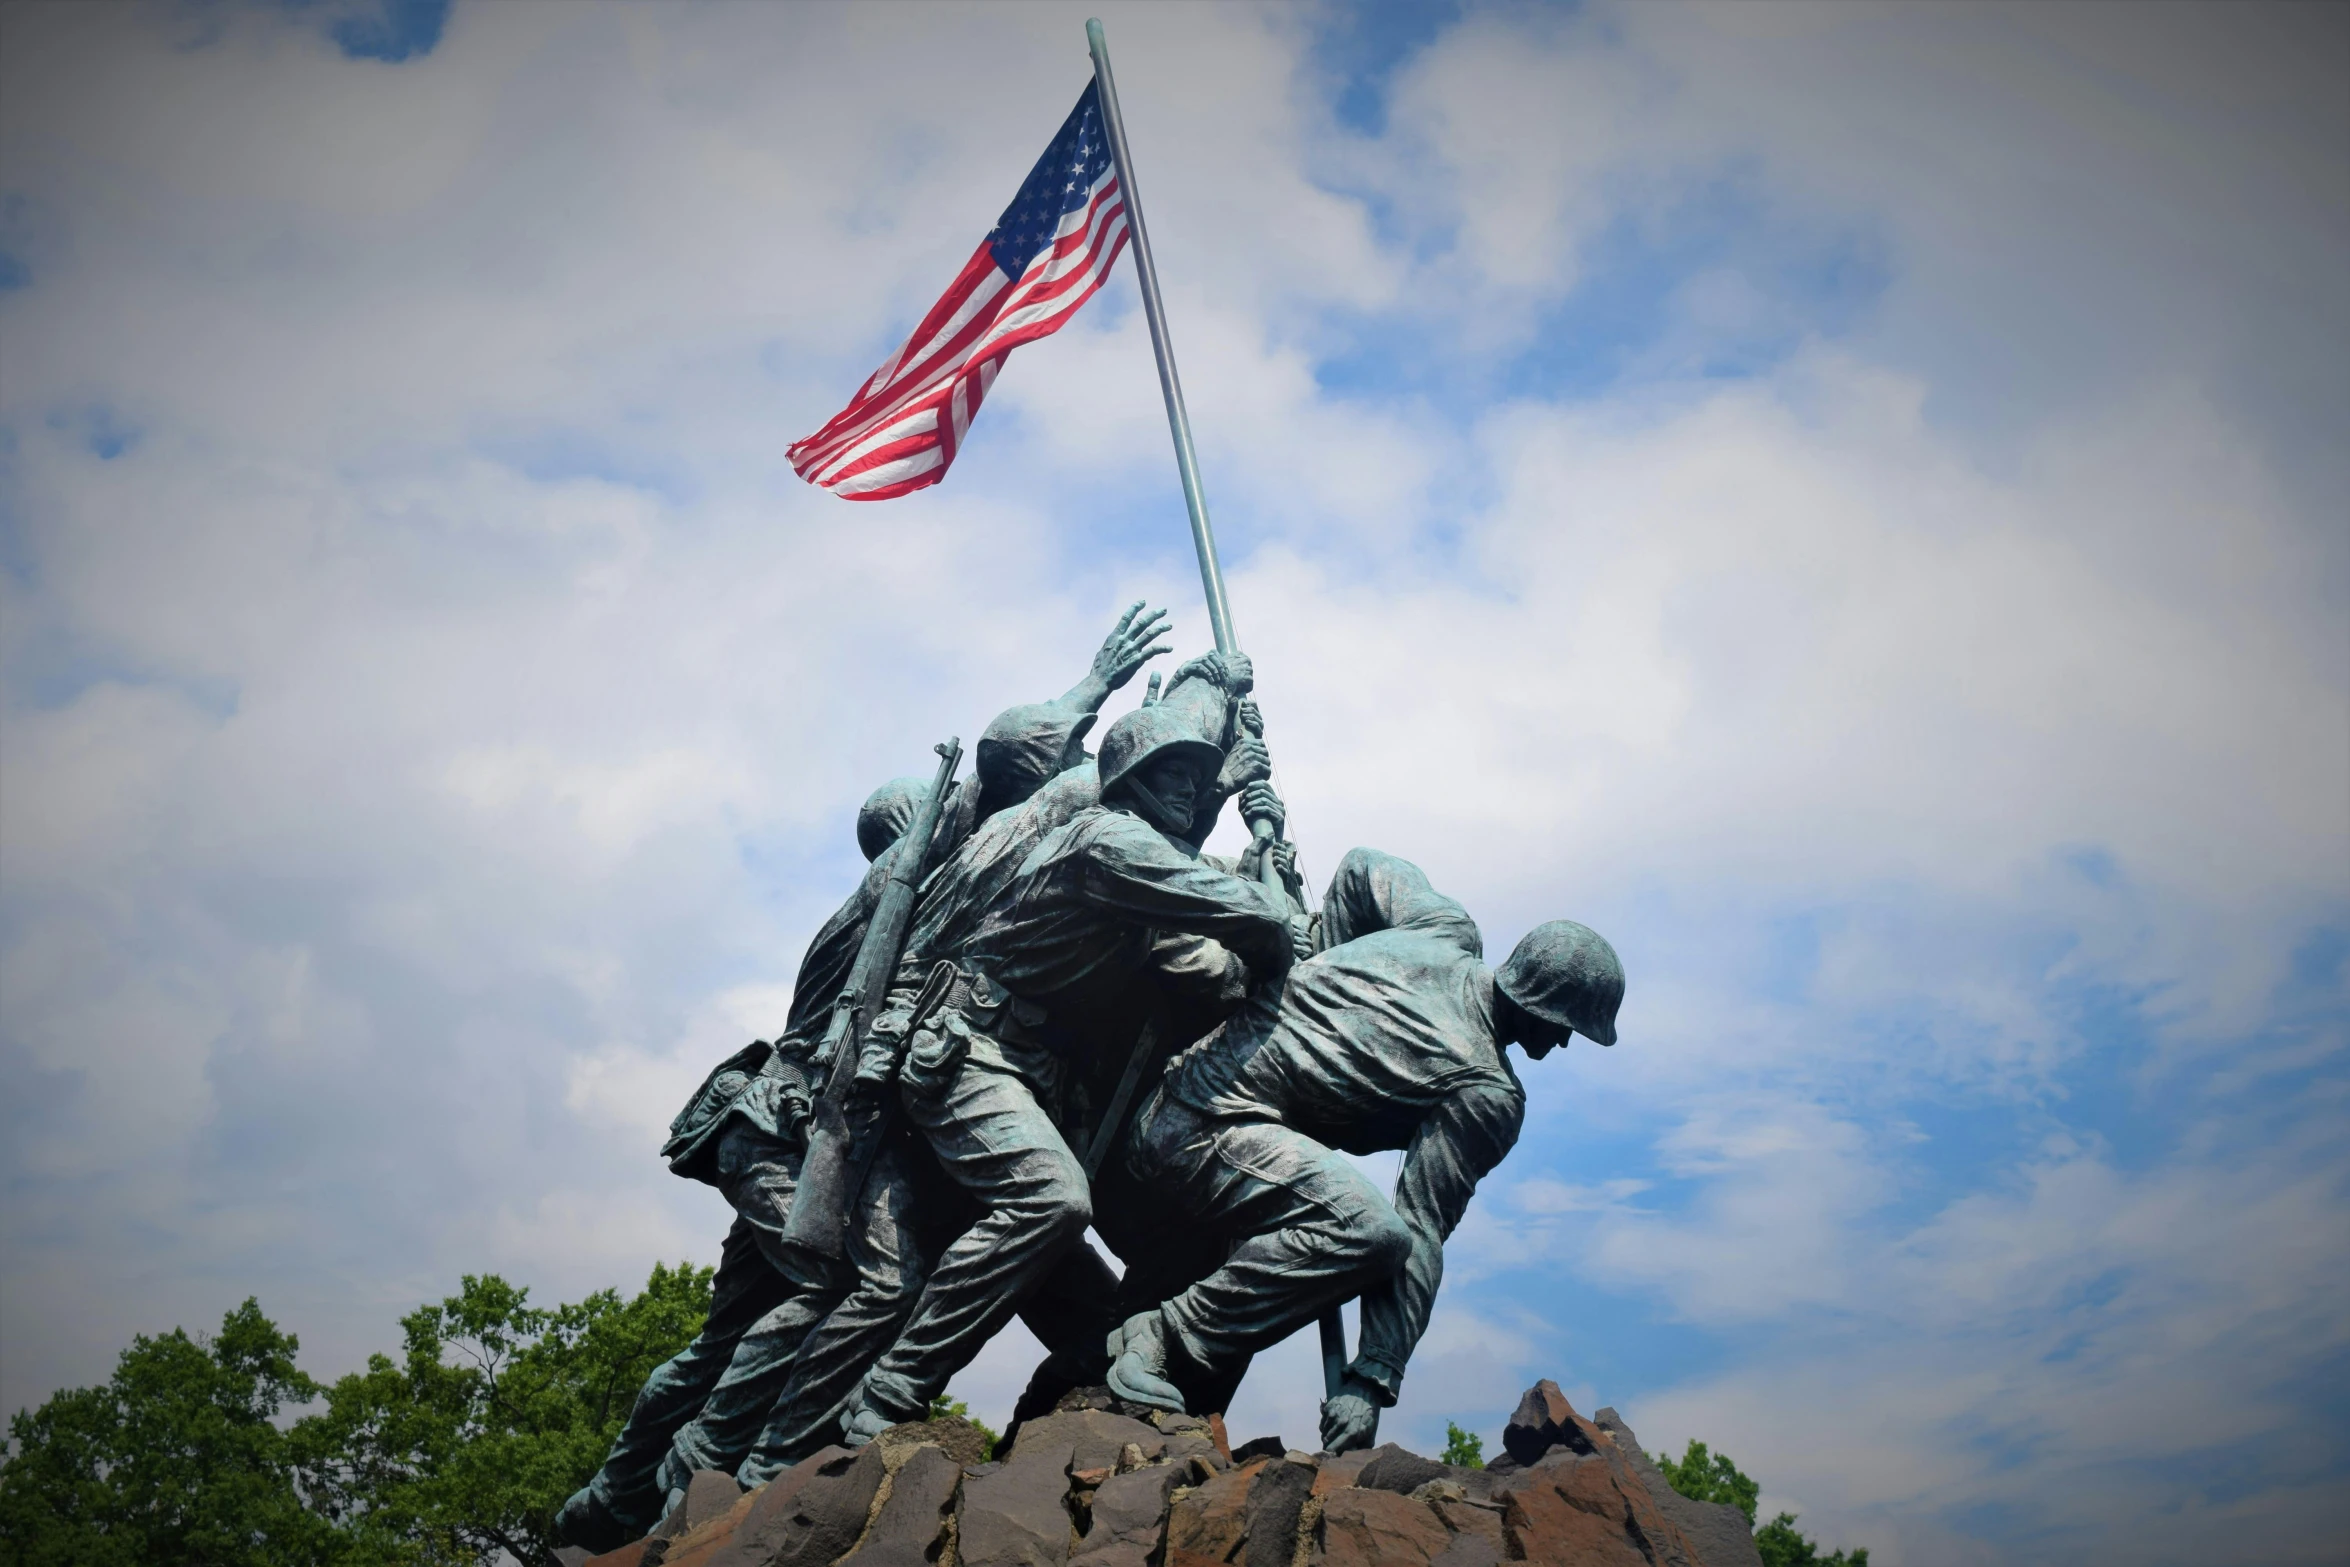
[{"x": 1384, "y": 1039}]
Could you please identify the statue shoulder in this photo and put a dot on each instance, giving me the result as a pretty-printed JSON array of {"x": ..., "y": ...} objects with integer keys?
[
  {"x": 1069, "y": 795},
  {"x": 1124, "y": 833},
  {"x": 1098, "y": 821}
]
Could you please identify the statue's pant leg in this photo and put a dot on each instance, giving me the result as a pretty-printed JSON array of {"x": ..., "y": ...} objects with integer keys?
[
  {"x": 746, "y": 1289},
  {"x": 1311, "y": 1231},
  {"x": 1179, "y": 1256},
  {"x": 995, "y": 1141},
  {"x": 892, "y": 1261},
  {"x": 762, "y": 1182},
  {"x": 765, "y": 1360},
  {"x": 1164, "y": 1250}
]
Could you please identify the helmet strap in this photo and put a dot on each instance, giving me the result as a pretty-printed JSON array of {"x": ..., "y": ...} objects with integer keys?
[{"x": 1154, "y": 810}]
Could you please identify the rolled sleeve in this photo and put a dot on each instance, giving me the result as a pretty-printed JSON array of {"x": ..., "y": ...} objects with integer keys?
[
  {"x": 1133, "y": 871},
  {"x": 1198, "y": 976}
]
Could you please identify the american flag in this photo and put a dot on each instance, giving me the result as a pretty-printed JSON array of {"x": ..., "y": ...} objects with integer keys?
[{"x": 1046, "y": 256}]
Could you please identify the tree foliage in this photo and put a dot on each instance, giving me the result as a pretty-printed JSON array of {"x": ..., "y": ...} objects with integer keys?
[
  {"x": 1463, "y": 1449},
  {"x": 1781, "y": 1545},
  {"x": 945, "y": 1408},
  {"x": 460, "y": 1450},
  {"x": 496, "y": 1411},
  {"x": 178, "y": 1458},
  {"x": 1707, "y": 1476}
]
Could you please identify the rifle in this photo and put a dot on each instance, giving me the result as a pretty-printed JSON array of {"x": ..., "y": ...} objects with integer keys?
[{"x": 815, "y": 1237}]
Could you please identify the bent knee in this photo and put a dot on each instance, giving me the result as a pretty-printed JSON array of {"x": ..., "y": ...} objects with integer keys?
[
  {"x": 1070, "y": 1210},
  {"x": 1056, "y": 1201}
]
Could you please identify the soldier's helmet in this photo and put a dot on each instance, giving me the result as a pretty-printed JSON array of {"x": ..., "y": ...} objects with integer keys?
[
  {"x": 1148, "y": 732},
  {"x": 886, "y": 814},
  {"x": 1021, "y": 749},
  {"x": 1567, "y": 974}
]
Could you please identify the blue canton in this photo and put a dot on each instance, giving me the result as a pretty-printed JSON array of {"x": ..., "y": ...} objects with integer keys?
[{"x": 1061, "y": 183}]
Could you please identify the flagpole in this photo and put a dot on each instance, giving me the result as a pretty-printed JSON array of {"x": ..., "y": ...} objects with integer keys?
[{"x": 1203, "y": 537}]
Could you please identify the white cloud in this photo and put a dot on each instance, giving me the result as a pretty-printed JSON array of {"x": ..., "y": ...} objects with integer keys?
[
  {"x": 1543, "y": 1195},
  {"x": 640, "y": 1090},
  {"x": 2050, "y": 1338},
  {"x": 431, "y": 739},
  {"x": 1524, "y": 128}
]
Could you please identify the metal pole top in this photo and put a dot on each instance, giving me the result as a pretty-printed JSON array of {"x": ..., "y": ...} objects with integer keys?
[{"x": 1146, "y": 271}]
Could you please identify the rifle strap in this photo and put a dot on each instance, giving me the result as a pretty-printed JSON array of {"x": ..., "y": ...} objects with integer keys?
[{"x": 937, "y": 985}]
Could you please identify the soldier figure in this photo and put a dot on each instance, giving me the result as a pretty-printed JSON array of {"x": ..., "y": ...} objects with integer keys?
[
  {"x": 997, "y": 1026},
  {"x": 1391, "y": 1036},
  {"x": 744, "y": 1131},
  {"x": 1069, "y": 920},
  {"x": 1065, "y": 1311}
]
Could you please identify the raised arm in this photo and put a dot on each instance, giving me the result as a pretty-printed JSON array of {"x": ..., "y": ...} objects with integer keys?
[
  {"x": 1247, "y": 763},
  {"x": 1132, "y": 643},
  {"x": 1207, "y": 691}
]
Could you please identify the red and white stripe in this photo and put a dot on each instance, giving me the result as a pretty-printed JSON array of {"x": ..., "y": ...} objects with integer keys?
[{"x": 903, "y": 428}]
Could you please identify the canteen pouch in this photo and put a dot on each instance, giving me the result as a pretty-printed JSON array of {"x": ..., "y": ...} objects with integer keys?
[
  {"x": 782, "y": 1089},
  {"x": 894, "y": 1036},
  {"x": 935, "y": 1051},
  {"x": 998, "y": 1013}
]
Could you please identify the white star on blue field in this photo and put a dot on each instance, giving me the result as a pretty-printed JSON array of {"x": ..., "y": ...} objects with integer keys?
[
  {"x": 1035, "y": 214},
  {"x": 1846, "y": 501}
]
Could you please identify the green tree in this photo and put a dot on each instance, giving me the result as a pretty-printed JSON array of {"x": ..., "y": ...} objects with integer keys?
[
  {"x": 1708, "y": 1476},
  {"x": 945, "y": 1408},
  {"x": 1780, "y": 1545},
  {"x": 177, "y": 1461},
  {"x": 1463, "y": 1449},
  {"x": 497, "y": 1410}
]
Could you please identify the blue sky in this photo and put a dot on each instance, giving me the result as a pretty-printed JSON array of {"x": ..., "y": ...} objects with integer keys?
[{"x": 1845, "y": 500}]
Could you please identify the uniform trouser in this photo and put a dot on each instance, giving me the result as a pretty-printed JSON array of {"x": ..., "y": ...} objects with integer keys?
[
  {"x": 996, "y": 1142},
  {"x": 771, "y": 1368},
  {"x": 1068, "y": 1310},
  {"x": 793, "y": 1410},
  {"x": 746, "y": 1290},
  {"x": 1306, "y": 1231},
  {"x": 1164, "y": 1254}
]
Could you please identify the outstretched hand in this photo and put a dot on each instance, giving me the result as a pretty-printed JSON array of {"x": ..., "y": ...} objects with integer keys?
[
  {"x": 1252, "y": 722},
  {"x": 1132, "y": 643}
]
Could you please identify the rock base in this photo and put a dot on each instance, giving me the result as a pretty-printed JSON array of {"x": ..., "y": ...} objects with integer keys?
[{"x": 1096, "y": 1484}]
